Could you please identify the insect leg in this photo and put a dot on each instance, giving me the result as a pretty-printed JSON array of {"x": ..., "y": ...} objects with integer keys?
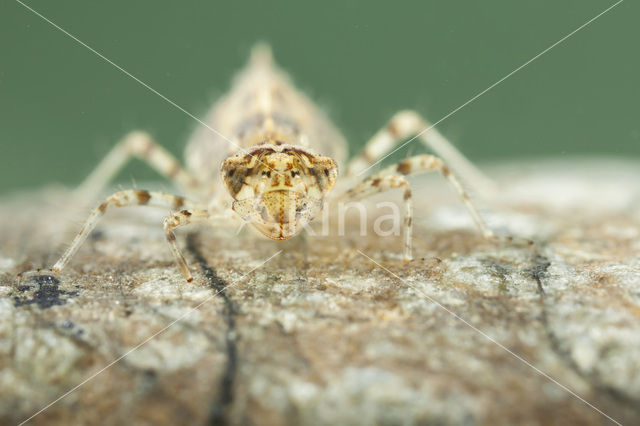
[
  {"x": 142, "y": 146},
  {"x": 406, "y": 124},
  {"x": 394, "y": 177},
  {"x": 128, "y": 197},
  {"x": 181, "y": 218}
]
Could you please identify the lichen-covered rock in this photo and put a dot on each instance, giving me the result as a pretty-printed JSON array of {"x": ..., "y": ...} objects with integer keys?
[{"x": 320, "y": 334}]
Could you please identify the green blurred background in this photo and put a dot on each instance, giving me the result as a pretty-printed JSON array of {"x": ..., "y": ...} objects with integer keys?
[{"x": 62, "y": 107}]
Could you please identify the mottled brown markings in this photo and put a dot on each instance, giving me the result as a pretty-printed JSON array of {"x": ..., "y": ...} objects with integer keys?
[
  {"x": 393, "y": 130},
  {"x": 281, "y": 219},
  {"x": 186, "y": 213},
  {"x": 143, "y": 197},
  {"x": 292, "y": 150},
  {"x": 103, "y": 207},
  {"x": 376, "y": 182},
  {"x": 235, "y": 171},
  {"x": 317, "y": 176},
  {"x": 407, "y": 194},
  {"x": 171, "y": 236},
  {"x": 178, "y": 202},
  {"x": 404, "y": 167},
  {"x": 260, "y": 150},
  {"x": 445, "y": 171},
  {"x": 321, "y": 170}
]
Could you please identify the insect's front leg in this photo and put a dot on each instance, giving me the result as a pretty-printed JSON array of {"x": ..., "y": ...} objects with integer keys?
[
  {"x": 142, "y": 146},
  {"x": 119, "y": 199},
  {"x": 406, "y": 124},
  {"x": 181, "y": 218},
  {"x": 394, "y": 177}
]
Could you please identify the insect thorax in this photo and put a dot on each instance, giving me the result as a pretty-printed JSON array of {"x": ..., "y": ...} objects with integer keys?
[{"x": 278, "y": 188}]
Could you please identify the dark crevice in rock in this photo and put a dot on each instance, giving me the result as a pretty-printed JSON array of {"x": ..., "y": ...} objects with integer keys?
[
  {"x": 538, "y": 272},
  {"x": 219, "y": 414}
]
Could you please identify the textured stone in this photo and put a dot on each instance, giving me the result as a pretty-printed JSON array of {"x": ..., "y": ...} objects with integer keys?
[{"x": 320, "y": 334}]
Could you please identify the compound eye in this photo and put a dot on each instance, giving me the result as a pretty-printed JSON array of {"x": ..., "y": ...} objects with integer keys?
[
  {"x": 234, "y": 173},
  {"x": 326, "y": 173}
]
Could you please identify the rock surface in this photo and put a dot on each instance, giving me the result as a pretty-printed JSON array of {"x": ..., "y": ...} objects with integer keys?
[{"x": 322, "y": 335}]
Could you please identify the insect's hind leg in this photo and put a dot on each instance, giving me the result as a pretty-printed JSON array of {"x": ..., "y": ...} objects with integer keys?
[
  {"x": 129, "y": 197},
  {"x": 394, "y": 177},
  {"x": 406, "y": 124},
  {"x": 140, "y": 145}
]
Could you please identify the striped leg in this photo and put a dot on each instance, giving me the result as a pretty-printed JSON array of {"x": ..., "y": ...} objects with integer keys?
[
  {"x": 394, "y": 177},
  {"x": 128, "y": 197},
  {"x": 142, "y": 146},
  {"x": 406, "y": 124},
  {"x": 184, "y": 217}
]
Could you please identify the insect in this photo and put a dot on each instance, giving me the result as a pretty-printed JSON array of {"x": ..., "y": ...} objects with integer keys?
[{"x": 267, "y": 152}]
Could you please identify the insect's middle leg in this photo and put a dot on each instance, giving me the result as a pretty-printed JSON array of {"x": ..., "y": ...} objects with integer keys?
[
  {"x": 142, "y": 146},
  {"x": 129, "y": 197},
  {"x": 406, "y": 124},
  {"x": 383, "y": 183},
  {"x": 394, "y": 177}
]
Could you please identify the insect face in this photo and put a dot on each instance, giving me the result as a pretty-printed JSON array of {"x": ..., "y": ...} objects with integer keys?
[{"x": 278, "y": 188}]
